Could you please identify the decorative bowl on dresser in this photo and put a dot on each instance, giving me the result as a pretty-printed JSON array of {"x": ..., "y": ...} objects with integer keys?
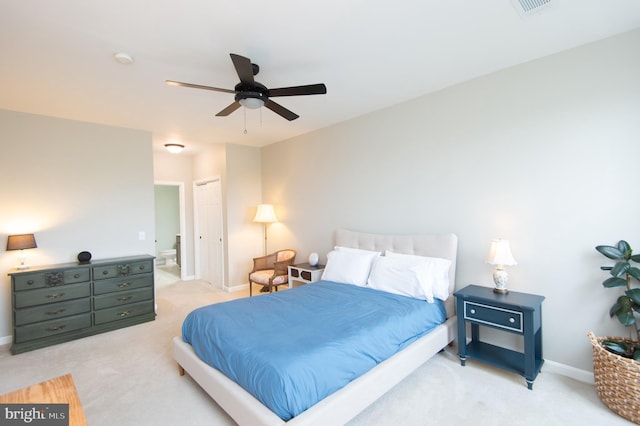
[{"x": 57, "y": 303}]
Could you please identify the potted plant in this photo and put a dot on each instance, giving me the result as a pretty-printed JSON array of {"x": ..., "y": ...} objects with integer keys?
[{"x": 616, "y": 360}]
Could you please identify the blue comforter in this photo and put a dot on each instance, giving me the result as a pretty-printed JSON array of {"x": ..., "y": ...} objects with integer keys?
[{"x": 293, "y": 348}]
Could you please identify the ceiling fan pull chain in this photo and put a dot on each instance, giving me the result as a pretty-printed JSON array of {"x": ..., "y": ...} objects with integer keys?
[{"x": 245, "y": 121}]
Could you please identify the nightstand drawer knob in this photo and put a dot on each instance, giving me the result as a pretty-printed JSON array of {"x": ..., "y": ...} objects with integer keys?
[
  {"x": 512, "y": 320},
  {"x": 473, "y": 311}
]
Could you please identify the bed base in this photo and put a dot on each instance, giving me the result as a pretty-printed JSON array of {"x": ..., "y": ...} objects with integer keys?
[{"x": 339, "y": 407}]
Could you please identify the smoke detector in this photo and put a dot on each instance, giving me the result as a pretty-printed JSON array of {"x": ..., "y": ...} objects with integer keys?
[{"x": 529, "y": 7}]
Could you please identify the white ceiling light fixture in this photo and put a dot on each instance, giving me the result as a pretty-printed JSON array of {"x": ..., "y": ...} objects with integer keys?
[
  {"x": 174, "y": 148},
  {"x": 251, "y": 103},
  {"x": 123, "y": 58}
]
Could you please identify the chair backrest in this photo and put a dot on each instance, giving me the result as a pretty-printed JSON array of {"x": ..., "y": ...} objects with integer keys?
[{"x": 285, "y": 255}]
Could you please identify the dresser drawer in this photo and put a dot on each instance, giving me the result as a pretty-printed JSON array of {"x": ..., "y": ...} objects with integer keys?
[
  {"x": 494, "y": 316},
  {"x": 52, "y": 328},
  {"x": 51, "y": 278},
  {"x": 122, "y": 312},
  {"x": 24, "y": 299},
  {"x": 122, "y": 284},
  {"x": 122, "y": 297},
  {"x": 52, "y": 311},
  {"x": 122, "y": 269}
]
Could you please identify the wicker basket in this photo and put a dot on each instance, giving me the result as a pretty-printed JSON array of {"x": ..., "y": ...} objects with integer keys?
[{"x": 617, "y": 380}]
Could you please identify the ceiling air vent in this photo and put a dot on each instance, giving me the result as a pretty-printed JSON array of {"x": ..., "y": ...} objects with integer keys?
[{"x": 527, "y": 7}]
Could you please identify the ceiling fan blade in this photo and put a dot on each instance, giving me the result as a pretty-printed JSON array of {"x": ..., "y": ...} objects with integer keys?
[
  {"x": 228, "y": 110},
  {"x": 198, "y": 86},
  {"x": 311, "y": 89},
  {"x": 280, "y": 110},
  {"x": 243, "y": 68}
]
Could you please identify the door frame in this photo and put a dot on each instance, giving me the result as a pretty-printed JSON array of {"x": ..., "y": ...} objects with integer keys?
[
  {"x": 183, "y": 227},
  {"x": 196, "y": 230}
]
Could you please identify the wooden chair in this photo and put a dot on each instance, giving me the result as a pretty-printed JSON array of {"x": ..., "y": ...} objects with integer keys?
[{"x": 271, "y": 270}]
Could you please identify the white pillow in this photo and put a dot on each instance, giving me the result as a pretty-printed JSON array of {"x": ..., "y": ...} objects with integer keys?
[
  {"x": 357, "y": 250},
  {"x": 437, "y": 273},
  {"x": 403, "y": 276},
  {"x": 348, "y": 267}
]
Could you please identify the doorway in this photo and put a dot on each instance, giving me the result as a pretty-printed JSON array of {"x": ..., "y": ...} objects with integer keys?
[
  {"x": 209, "y": 265},
  {"x": 170, "y": 232}
]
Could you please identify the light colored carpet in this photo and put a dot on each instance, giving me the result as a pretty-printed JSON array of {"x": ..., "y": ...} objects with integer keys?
[{"x": 128, "y": 377}]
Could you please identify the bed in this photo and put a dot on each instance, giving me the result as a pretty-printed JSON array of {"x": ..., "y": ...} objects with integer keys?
[{"x": 342, "y": 405}]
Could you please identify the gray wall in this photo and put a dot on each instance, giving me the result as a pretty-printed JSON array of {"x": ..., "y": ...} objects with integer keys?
[
  {"x": 544, "y": 154},
  {"x": 77, "y": 186}
]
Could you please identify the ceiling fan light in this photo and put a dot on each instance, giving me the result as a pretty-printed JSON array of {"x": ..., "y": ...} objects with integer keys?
[
  {"x": 174, "y": 148},
  {"x": 251, "y": 103}
]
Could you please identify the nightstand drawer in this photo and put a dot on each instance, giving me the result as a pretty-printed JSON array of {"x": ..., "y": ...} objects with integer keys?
[{"x": 493, "y": 316}]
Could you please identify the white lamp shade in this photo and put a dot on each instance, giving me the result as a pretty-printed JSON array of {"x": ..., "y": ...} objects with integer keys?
[
  {"x": 500, "y": 253},
  {"x": 265, "y": 214},
  {"x": 251, "y": 103}
]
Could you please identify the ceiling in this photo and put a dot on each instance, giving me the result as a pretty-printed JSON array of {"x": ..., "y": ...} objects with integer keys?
[{"x": 57, "y": 57}]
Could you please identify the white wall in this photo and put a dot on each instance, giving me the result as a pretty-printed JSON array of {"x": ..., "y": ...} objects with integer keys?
[
  {"x": 544, "y": 154},
  {"x": 77, "y": 186}
]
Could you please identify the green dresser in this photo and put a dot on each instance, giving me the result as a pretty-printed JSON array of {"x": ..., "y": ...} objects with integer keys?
[{"x": 57, "y": 303}]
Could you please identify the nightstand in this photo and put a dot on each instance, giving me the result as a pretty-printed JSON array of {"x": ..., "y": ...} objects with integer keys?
[
  {"x": 305, "y": 273},
  {"x": 514, "y": 312}
]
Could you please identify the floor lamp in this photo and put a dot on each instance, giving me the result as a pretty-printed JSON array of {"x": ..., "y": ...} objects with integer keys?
[{"x": 265, "y": 215}]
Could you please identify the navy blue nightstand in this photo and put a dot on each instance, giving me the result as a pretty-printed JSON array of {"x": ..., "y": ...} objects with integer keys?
[{"x": 514, "y": 312}]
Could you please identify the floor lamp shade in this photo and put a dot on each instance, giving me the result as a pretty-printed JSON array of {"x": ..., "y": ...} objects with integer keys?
[{"x": 265, "y": 214}]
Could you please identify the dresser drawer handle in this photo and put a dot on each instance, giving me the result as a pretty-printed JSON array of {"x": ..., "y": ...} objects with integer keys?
[
  {"x": 56, "y": 328},
  {"x": 512, "y": 320},
  {"x": 76, "y": 275},
  {"x": 122, "y": 285},
  {"x": 30, "y": 282},
  {"x": 124, "y": 314},
  {"x": 473, "y": 311},
  {"x": 54, "y": 296},
  {"x": 59, "y": 311},
  {"x": 142, "y": 268},
  {"x": 125, "y": 299}
]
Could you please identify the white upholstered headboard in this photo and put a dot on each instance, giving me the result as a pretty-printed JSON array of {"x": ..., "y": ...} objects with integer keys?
[{"x": 436, "y": 245}]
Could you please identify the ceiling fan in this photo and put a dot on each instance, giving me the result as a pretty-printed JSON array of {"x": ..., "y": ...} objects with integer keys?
[{"x": 251, "y": 94}]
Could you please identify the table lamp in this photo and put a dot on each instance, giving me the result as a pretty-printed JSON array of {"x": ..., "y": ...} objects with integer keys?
[
  {"x": 21, "y": 242},
  {"x": 500, "y": 255}
]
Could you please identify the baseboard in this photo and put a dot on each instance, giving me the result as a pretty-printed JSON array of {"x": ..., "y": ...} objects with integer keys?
[
  {"x": 236, "y": 288},
  {"x": 6, "y": 340},
  {"x": 568, "y": 371}
]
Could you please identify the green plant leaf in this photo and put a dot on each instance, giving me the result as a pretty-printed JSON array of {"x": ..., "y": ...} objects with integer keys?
[
  {"x": 635, "y": 258},
  {"x": 625, "y": 248},
  {"x": 636, "y": 354},
  {"x": 634, "y": 272},
  {"x": 627, "y": 318},
  {"x": 620, "y": 268},
  {"x": 610, "y": 252},
  {"x": 614, "y": 282},
  {"x": 634, "y": 295},
  {"x": 618, "y": 347}
]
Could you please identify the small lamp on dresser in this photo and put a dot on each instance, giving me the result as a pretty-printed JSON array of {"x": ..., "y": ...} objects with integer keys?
[
  {"x": 500, "y": 256},
  {"x": 21, "y": 242}
]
